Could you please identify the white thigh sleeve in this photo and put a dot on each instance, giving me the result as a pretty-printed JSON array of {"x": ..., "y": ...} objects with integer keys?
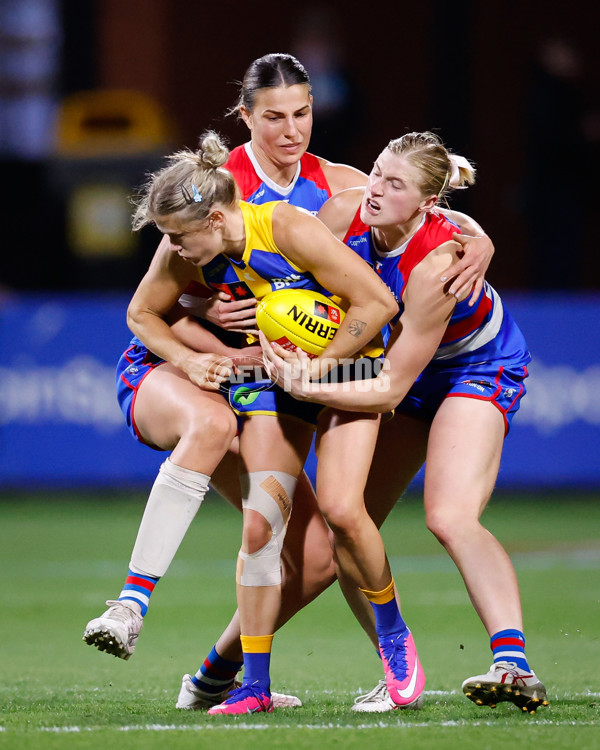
[
  {"x": 270, "y": 494},
  {"x": 174, "y": 500}
]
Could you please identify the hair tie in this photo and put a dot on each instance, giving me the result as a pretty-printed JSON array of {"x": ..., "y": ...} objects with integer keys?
[{"x": 456, "y": 163}]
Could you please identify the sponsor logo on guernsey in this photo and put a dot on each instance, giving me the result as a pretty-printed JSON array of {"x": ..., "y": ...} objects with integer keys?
[
  {"x": 312, "y": 324},
  {"x": 358, "y": 241},
  {"x": 286, "y": 281},
  {"x": 235, "y": 289}
]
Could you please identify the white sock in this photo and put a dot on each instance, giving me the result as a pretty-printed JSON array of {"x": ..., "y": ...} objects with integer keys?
[{"x": 174, "y": 500}]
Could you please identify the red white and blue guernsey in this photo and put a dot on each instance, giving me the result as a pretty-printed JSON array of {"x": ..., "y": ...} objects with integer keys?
[
  {"x": 308, "y": 189},
  {"x": 483, "y": 353}
]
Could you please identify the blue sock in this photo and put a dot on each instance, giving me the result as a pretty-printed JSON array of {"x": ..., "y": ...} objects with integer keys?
[
  {"x": 216, "y": 674},
  {"x": 139, "y": 589},
  {"x": 509, "y": 645},
  {"x": 256, "y": 671},
  {"x": 388, "y": 620},
  {"x": 257, "y": 661}
]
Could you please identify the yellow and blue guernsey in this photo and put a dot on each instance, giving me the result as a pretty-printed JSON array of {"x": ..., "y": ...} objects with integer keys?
[{"x": 263, "y": 268}]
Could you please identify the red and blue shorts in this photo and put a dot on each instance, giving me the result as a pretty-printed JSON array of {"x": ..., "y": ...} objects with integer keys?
[{"x": 501, "y": 385}]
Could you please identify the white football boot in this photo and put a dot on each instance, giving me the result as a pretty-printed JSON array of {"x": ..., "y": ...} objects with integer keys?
[
  {"x": 379, "y": 701},
  {"x": 116, "y": 631},
  {"x": 191, "y": 698},
  {"x": 506, "y": 682}
]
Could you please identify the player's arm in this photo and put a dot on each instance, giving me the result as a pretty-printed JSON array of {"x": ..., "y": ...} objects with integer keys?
[
  {"x": 414, "y": 341},
  {"x": 468, "y": 271},
  {"x": 193, "y": 334},
  {"x": 147, "y": 317},
  {"x": 341, "y": 176},
  {"x": 308, "y": 244},
  {"x": 337, "y": 213}
]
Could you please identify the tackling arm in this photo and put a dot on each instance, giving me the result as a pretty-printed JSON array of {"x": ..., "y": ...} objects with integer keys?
[
  {"x": 147, "y": 315},
  {"x": 414, "y": 341},
  {"x": 310, "y": 245}
]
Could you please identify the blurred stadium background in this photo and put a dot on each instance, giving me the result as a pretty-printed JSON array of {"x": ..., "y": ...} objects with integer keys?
[{"x": 93, "y": 94}]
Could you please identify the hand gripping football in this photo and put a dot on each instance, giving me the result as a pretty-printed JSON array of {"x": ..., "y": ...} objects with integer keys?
[{"x": 299, "y": 318}]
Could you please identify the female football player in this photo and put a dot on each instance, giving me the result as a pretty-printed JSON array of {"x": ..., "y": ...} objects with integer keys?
[
  {"x": 455, "y": 380},
  {"x": 214, "y": 238},
  {"x": 276, "y": 105}
]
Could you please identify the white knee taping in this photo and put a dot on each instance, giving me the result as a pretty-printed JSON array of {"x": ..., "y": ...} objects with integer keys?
[
  {"x": 270, "y": 494},
  {"x": 174, "y": 500},
  {"x": 262, "y": 568}
]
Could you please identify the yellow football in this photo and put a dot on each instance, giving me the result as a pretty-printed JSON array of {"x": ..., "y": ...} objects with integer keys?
[{"x": 299, "y": 318}]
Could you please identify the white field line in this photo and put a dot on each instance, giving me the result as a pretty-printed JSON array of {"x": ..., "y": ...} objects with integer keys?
[
  {"x": 329, "y": 726},
  {"x": 274, "y": 725}
]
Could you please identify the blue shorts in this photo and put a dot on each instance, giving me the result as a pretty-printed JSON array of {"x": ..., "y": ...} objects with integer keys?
[
  {"x": 246, "y": 399},
  {"x": 134, "y": 364},
  {"x": 503, "y": 386},
  {"x": 263, "y": 397}
]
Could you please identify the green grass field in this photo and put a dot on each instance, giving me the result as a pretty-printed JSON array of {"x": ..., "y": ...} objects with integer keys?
[{"x": 63, "y": 555}]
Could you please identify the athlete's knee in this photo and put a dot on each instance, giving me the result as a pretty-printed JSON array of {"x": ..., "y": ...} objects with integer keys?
[
  {"x": 267, "y": 502},
  {"x": 257, "y": 531},
  {"x": 345, "y": 519},
  {"x": 448, "y": 523},
  {"x": 215, "y": 425}
]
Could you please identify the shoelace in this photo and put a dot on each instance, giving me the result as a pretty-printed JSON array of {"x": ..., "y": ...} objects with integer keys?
[
  {"x": 395, "y": 652},
  {"x": 120, "y": 611},
  {"x": 247, "y": 691},
  {"x": 518, "y": 675},
  {"x": 379, "y": 693}
]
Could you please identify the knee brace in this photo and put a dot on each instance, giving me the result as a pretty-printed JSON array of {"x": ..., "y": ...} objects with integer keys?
[{"x": 270, "y": 494}]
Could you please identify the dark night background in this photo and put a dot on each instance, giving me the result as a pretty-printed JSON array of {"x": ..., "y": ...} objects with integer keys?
[{"x": 513, "y": 86}]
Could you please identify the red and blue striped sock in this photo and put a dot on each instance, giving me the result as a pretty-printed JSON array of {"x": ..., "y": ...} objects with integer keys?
[
  {"x": 139, "y": 588},
  {"x": 216, "y": 674},
  {"x": 509, "y": 645}
]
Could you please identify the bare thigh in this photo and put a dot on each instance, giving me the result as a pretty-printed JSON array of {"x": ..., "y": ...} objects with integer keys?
[
  {"x": 344, "y": 446},
  {"x": 463, "y": 458},
  {"x": 270, "y": 443},
  {"x": 399, "y": 454},
  {"x": 173, "y": 414}
]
